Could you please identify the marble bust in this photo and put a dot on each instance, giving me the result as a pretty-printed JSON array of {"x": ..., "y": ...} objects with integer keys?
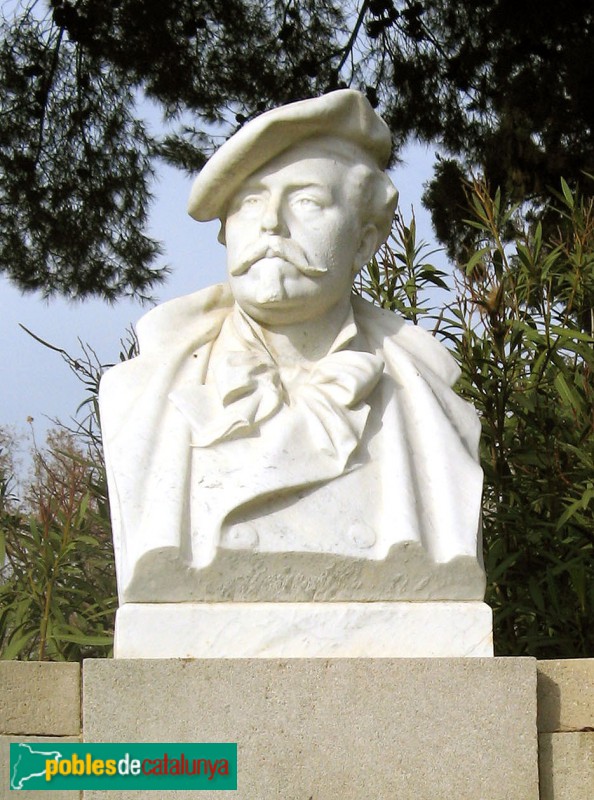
[{"x": 277, "y": 438}]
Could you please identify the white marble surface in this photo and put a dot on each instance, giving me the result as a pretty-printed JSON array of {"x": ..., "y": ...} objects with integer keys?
[
  {"x": 303, "y": 630},
  {"x": 276, "y": 438}
]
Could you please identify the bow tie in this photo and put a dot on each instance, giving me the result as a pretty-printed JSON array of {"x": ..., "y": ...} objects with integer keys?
[{"x": 328, "y": 397}]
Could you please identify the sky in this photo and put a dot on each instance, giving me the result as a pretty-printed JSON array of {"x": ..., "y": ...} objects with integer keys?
[{"x": 36, "y": 383}]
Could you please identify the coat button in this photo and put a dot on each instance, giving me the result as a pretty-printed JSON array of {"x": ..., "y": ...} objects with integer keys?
[
  {"x": 362, "y": 535},
  {"x": 241, "y": 537}
]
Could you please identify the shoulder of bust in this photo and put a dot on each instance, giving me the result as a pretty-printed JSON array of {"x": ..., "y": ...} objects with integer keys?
[
  {"x": 198, "y": 315},
  {"x": 383, "y": 327},
  {"x": 170, "y": 329}
]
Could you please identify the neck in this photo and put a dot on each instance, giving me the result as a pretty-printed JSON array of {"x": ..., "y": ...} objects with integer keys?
[{"x": 305, "y": 342}]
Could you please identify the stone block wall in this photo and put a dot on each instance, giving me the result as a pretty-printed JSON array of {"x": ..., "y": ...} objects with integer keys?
[
  {"x": 39, "y": 701},
  {"x": 566, "y": 729},
  {"x": 42, "y": 701}
]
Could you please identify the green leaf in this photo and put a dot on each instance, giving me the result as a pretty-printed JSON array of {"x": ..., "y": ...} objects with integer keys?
[
  {"x": 16, "y": 645},
  {"x": 83, "y": 639},
  {"x": 536, "y": 594},
  {"x": 567, "y": 194},
  {"x": 497, "y": 572},
  {"x": 475, "y": 258},
  {"x": 567, "y": 393},
  {"x": 571, "y": 333},
  {"x": 577, "y": 574}
]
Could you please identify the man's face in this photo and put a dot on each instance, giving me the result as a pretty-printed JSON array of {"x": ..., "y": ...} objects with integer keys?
[{"x": 294, "y": 237}]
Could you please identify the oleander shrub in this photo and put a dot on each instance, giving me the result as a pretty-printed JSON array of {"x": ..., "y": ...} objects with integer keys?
[{"x": 519, "y": 320}]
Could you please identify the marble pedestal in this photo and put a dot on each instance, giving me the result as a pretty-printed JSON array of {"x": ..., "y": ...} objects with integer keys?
[{"x": 303, "y": 630}]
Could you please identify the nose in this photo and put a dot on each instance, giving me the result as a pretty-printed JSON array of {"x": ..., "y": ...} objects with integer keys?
[{"x": 273, "y": 220}]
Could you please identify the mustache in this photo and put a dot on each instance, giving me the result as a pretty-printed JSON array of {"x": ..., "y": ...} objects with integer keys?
[{"x": 276, "y": 247}]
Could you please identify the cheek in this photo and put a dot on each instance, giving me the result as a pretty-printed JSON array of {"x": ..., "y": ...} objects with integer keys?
[
  {"x": 236, "y": 240},
  {"x": 238, "y": 232},
  {"x": 316, "y": 237},
  {"x": 342, "y": 244}
]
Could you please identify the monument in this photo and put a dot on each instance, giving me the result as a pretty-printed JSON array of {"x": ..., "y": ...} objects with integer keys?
[{"x": 290, "y": 471}]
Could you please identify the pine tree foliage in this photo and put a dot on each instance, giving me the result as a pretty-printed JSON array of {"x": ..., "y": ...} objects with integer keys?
[{"x": 75, "y": 169}]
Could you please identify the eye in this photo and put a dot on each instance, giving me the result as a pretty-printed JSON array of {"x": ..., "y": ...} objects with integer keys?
[
  {"x": 306, "y": 202},
  {"x": 247, "y": 205},
  {"x": 251, "y": 201}
]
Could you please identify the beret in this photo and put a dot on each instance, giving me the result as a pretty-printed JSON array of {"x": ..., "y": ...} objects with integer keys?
[{"x": 346, "y": 114}]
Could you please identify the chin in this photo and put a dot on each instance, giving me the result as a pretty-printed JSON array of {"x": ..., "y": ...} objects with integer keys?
[{"x": 275, "y": 311}]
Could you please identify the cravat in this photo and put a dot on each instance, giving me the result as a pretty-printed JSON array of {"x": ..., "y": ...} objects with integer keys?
[{"x": 328, "y": 396}]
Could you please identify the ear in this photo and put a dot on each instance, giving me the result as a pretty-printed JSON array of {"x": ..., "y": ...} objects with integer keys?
[
  {"x": 221, "y": 236},
  {"x": 367, "y": 247}
]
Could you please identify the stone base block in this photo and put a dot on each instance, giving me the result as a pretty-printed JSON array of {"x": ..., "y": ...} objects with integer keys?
[
  {"x": 566, "y": 762},
  {"x": 566, "y": 695},
  {"x": 24, "y": 793},
  {"x": 354, "y": 729},
  {"x": 39, "y": 698},
  {"x": 303, "y": 630}
]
